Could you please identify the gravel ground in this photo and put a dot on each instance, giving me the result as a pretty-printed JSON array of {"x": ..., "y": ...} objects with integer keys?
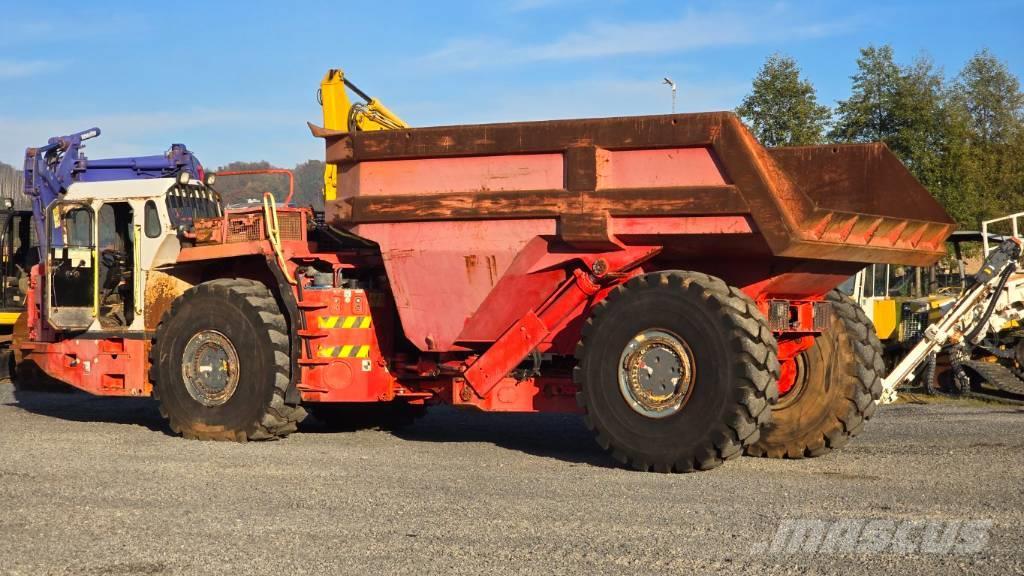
[{"x": 97, "y": 486}]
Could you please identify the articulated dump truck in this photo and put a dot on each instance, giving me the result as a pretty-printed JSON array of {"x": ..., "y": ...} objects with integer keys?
[{"x": 666, "y": 277}]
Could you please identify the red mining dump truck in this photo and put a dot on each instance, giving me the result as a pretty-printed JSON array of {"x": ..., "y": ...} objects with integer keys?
[{"x": 665, "y": 276}]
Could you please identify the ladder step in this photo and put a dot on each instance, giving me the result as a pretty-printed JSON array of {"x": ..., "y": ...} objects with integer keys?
[{"x": 312, "y": 334}]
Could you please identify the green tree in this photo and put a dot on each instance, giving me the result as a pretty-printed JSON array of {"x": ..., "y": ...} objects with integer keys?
[
  {"x": 987, "y": 103},
  {"x": 927, "y": 134},
  {"x": 913, "y": 110},
  {"x": 782, "y": 109},
  {"x": 991, "y": 96},
  {"x": 918, "y": 125},
  {"x": 309, "y": 184},
  {"x": 869, "y": 114}
]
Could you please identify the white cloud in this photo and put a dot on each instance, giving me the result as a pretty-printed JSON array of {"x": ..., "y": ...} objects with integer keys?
[
  {"x": 692, "y": 31},
  {"x": 212, "y": 133},
  {"x": 22, "y": 68}
]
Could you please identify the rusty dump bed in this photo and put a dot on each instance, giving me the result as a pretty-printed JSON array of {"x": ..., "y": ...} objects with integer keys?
[{"x": 849, "y": 203}]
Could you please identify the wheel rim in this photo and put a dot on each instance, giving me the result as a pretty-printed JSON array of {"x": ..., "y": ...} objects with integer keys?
[
  {"x": 209, "y": 368},
  {"x": 800, "y": 375},
  {"x": 656, "y": 372}
]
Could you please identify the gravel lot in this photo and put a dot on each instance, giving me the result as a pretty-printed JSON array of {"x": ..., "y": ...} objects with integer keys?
[{"x": 97, "y": 486}]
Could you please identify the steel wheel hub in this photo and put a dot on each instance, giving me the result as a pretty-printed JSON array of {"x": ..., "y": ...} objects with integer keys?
[
  {"x": 656, "y": 372},
  {"x": 209, "y": 368}
]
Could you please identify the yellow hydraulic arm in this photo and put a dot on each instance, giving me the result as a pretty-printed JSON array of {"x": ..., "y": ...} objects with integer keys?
[{"x": 340, "y": 113}]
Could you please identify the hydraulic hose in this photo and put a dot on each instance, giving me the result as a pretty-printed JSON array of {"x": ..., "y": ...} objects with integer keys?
[{"x": 983, "y": 321}]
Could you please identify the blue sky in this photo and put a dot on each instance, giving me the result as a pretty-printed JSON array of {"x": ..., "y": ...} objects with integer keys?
[{"x": 237, "y": 80}]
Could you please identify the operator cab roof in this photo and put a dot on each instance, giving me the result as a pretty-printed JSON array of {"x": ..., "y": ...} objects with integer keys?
[{"x": 121, "y": 189}]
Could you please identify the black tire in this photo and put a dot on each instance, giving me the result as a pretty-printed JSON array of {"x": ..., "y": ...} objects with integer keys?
[
  {"x": 246, "y": 314},
  {"x": 735, "y": 371},
  {"x": 839, "y": 379},
  {"x": 366, "y": 415}
]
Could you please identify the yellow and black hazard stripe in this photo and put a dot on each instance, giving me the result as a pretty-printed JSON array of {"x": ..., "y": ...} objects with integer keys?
[
  {"x": 334, "y": 322},
  {"x": 346, "y": 351}
]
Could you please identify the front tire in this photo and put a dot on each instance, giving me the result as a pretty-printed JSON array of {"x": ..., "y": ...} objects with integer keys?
[
  {"x": 839, "y": 379},
  {"x": 676, "y": 372},
  {"x": 220, "y": 364}
]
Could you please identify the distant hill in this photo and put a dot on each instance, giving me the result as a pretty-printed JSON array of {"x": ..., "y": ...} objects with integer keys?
[{"x": 11, "y": 186}]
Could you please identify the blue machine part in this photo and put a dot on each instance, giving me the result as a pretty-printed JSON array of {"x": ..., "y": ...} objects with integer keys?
[{"x": 51, "y": 169}]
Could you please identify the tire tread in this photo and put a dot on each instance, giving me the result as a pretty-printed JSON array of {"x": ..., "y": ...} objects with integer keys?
[{"x": 279, "y": 419}]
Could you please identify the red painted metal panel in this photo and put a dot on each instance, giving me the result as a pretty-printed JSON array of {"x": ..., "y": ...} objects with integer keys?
[
  {"x": 440, "y": 272},
  {"x": 529, "y": 395},
  {"x": 105, "y": 367},
  {"x": 681, "y": 225},
  {"x": 347, "y": 363},
  {"x": 463, "y": 174},
  {"x": 658, "y": 167},
  {"x": 823, "y": 202}
]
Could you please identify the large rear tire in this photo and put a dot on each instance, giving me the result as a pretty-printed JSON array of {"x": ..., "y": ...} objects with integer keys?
[
  {"x": 676, "y": 372},
  {"x": 838, "y": 380},
  {"x": 220, "y": 364}
]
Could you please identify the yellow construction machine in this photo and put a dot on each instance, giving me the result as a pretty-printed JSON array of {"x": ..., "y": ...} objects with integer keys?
[{"x": 342, "y": 114}]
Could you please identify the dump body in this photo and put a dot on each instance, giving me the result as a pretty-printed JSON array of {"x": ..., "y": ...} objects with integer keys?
[{"x": 475, "y": 224}]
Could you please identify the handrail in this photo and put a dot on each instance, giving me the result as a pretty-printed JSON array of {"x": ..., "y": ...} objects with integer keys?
[
  {"x": 136, "y": 273},
  {"x": 1014, "y": 222},
  {"x": 274, "y": 233}
]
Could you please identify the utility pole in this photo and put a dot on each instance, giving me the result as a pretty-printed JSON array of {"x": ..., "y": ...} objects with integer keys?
[{"x": 672, "y": 85}]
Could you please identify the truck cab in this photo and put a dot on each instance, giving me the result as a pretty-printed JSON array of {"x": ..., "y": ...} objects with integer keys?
[{"x": 104, "y": 238}]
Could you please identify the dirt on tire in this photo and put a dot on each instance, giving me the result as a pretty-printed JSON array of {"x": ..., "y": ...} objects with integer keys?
[
  {"x": 842, "y": 375},
  {"x": 735, "y": 372},
  {"x": 247, "y": 314}
]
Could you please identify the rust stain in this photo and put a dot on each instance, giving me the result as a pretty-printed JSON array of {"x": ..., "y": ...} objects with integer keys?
[
  {"x": 161, "y": 290},
  {"x": 793, "y": 195},
  {"x": 492, "y": 268},
  {"x": 470, "y": 266}
]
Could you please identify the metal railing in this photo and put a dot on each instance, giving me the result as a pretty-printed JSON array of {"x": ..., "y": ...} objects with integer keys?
[
  {"x": 1013, "y": 219},
  {"x": 288, "y": 173}
]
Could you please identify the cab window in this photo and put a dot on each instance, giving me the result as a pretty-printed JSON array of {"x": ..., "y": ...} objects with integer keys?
[
  {"x": 152, "y": 220},
  {"x": 185, "y": 203},
  {"x": 76, "y": 224}
]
